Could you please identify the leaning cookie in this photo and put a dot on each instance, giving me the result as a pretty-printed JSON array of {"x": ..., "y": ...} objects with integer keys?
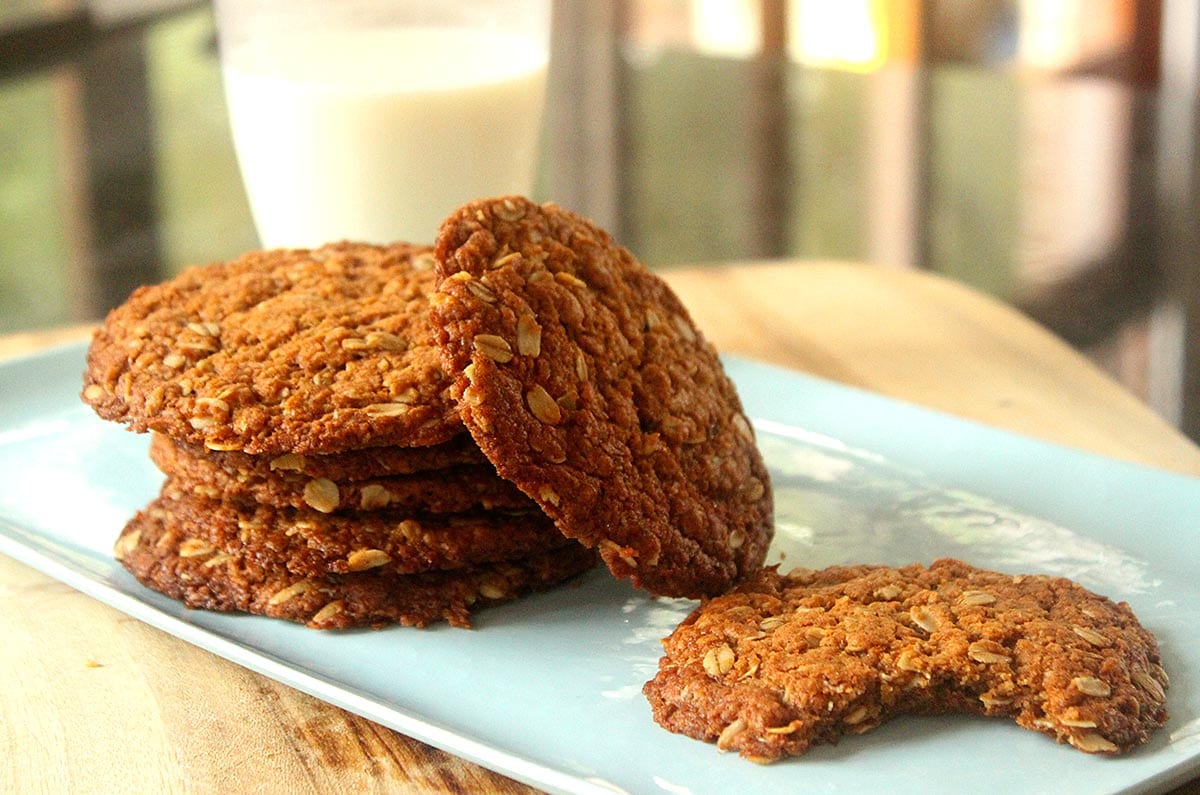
[
  {"x": 300, "y": 351},
  {"x": 789, "y": 661},
  {"x": 161, "y": 559},
  {"x": 585, "y": 382}
]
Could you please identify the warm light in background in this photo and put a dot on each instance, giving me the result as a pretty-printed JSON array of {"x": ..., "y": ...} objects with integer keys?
[
  {"x": 1060, "y": 34},
  {"x": 732, "y": 28},
  {"x": 838, "y": 34},
  {"x": 1043, "y": 24},
  {"x": 864, "y": 35},
  {"x": 849, "y": 35}
]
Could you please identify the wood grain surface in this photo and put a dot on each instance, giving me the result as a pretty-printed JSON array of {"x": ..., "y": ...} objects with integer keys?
[{"x": 95, "y": 702}]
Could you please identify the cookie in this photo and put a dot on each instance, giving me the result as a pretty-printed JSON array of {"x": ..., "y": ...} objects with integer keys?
[
  {"x": 788, "y": 661},
  {"x": 311, "y": 543},
  {"x": 584, "y": 380},
  {"x": 350, "y": 465},
  {"x": 160, "y": 557},
  {"x": 361, "y": 464},
  {"x": 285, "y": 351},
  {"x": 453, "y": 490}
]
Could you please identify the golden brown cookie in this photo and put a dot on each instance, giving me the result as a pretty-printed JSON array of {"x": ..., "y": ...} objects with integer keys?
[
  {"x": 300, "y": 351},
  {"x": 163, "y": 559},
  {"x": 583, "y": 379},
  {"x": 452, "y": 490},
  {"x": 361, "y": 464},
  {"x": 788, "y": 661},
  {"x": 310, "y": 543}
]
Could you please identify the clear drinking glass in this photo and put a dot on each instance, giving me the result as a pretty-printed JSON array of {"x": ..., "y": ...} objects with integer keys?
[{"x": 371, "y": 120}]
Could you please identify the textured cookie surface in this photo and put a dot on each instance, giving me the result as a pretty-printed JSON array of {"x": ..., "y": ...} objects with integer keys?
[
  {"x": 302, "y": 351},
  {"x": 310, "y": 543},
  {"x": 161, "y": 558},
  {"x": 788, "y": 661},
  {"x": 361, "y": 464},
  {"x": 452, "y": 490},
  {"x": 584, "y": 380}
]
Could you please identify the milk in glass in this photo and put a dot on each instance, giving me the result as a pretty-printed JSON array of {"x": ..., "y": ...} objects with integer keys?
[{"x": 376, "y": 135}]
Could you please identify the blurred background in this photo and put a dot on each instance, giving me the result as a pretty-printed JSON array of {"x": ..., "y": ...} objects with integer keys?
[{"x": 1043, "y": 151}]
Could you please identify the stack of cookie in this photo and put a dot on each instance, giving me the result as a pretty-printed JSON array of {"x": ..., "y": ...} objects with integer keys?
[
  {"x": 316, "y": 468},
  {"x": 364, "y": 435}
]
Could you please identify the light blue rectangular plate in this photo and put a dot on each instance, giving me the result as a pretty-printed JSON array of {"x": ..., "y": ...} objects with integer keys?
[{"x": 548, "y": 690}]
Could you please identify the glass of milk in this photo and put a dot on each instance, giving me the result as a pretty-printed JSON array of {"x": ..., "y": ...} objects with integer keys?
[{"x": 371, "y": 120}]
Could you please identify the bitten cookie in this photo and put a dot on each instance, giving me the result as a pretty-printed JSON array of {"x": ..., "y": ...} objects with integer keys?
[
  {"x": 161, "y": 557},
  {"x": 280, "y": 351},
  {"x": 788, "y": 661},
  {"x": 585, "y": 382}
]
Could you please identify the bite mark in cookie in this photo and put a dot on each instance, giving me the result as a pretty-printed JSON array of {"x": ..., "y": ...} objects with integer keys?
[
  {"x": 788, "y": 661},
  {"x": 583, "y": 379}
]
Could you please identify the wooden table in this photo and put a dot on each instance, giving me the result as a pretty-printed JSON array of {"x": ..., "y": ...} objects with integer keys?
[{"x": 94, "y": 701}]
